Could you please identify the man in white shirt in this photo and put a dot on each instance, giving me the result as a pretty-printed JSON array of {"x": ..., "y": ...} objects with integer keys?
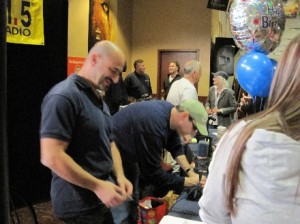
[
  {"x": 181, "y": 90},
  {"x": 184, "y": 88}
]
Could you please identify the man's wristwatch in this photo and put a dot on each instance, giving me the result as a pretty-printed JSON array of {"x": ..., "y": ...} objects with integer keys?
[{"x": 188, "y": 170}]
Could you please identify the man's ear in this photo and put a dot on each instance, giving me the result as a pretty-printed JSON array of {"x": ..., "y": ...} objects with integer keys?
[
  {"x": 184, "y": 115},
  {"x": 94, "y": 58}
]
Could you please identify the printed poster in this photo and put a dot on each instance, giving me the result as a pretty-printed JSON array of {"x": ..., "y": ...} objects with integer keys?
[
  {"x": 218, "y": 4},
  {"x": 74, "y": 64},
  {"x": 99, "y": 22},
  {"x": 25, "y": 22},
  {"x": 290, "y": 8}
]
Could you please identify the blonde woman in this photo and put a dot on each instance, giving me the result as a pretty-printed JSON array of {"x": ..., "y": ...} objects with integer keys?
[
  {"x": 255, "y": 172},
  {"x": 221, "y": 103}
]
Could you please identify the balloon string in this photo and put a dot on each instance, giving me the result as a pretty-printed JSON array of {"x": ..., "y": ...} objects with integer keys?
[
  {"x": 261, "y": 104},
  {"x": 254, "y": 105}
]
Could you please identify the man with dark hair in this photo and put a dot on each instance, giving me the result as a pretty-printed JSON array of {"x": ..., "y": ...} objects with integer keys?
[
  {"x": 173, "y": 75},
  {"x": 138, "y": 85}
]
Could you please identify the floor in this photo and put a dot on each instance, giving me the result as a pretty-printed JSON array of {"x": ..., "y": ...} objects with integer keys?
[{"x": 43, "y": 212}]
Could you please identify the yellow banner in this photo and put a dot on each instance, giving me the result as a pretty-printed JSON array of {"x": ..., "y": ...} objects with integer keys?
[{"x": 25, "y": 22}]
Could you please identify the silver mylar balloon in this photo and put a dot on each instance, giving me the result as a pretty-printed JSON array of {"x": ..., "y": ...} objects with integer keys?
[{"x": 257, "y": 24}]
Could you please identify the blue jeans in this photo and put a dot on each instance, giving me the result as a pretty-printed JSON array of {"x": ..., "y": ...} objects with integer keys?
[{"x": 127, "y": 212}]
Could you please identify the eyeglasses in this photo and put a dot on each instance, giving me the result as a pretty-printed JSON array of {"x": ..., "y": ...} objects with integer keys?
[{"x": 194, "y": 125}]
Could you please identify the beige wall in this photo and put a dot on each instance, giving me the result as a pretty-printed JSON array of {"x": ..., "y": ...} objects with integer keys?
[
  {"x": 123, "y": 28},
  {"x": 171, "y": 24},
  {"x": 220, "y": 25},
  {"x": 142, "y": 27},
  {"x": 78, "y": 28}
]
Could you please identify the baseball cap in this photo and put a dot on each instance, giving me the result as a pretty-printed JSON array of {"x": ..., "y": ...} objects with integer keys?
[
  {"x": 197, "y": 112},
  {"x": 221, "y": 73}
]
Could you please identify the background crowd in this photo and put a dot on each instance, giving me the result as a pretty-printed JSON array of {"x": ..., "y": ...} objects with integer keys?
[{"x": 104, "y": 139}]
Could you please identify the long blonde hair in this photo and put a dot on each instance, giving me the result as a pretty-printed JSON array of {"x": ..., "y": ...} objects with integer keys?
[{"x": 282, "y": 113}]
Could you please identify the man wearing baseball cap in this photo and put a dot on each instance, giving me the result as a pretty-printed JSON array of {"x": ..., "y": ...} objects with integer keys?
[
  {"x": 141, "y": 131},
  {"x": 197, "y": 113}
]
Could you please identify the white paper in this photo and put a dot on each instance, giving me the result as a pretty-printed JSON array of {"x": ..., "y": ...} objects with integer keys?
[{"x": 168, "y": 219}]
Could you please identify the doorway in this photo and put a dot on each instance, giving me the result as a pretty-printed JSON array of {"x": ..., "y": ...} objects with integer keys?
[{"x": 164, "y": 59}]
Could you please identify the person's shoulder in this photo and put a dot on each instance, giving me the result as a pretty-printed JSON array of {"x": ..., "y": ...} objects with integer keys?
[
  {"x": 153, "y": 106},
  {"x": 63, "y": 86},
  {"x": 159, "y": 109},
  {"x": 212, "y": 88},
  {"x": 272, "y": 151},
  {"x": 267, "y": 136},
  {"x": 145, "y": 74},
  {"x": 180, "y": 82},
  {"x": 167, "y": 77},
  {"x": 228, "y": 90},
  {"x": 129, "y": 75},
  {"x": 178, "y": 76},
  {"x": 71, "y": 87},
  {"x": 163, "y": 103},
  {"x": 174, "y": 88}
]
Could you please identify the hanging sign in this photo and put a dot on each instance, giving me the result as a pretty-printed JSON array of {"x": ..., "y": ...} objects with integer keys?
[
  {"x": 74, "y": 64},
  {"x": 218, "y": 4},
  {"x": 99, "y": 22},
  {"x": 25, "y": 22}
]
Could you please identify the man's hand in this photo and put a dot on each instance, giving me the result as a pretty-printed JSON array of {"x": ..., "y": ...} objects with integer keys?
[
  {"x": 186, "y": 139},
  {"x": 125, "y": 186},
  {"x": 109, "y": 193},
  {"x": 203, "y": 181},
  {"x": 192, "y": 179},
  {"x": 123, "y": 183},
  {"x": 208, "y": 110},
  {"x": 245, "y": 99},
  {"x": 216, "y": 110}
]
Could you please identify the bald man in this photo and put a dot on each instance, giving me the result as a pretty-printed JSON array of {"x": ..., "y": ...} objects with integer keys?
[{"x": 76, "y": 141}]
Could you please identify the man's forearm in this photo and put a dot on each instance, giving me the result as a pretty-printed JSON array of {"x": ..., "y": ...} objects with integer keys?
[
  {"x": 117, "y": 161},
  {"x": 54, "y": 157},
  {"x": 192, "y": 178},
  {"x": 182, "y": 161}
]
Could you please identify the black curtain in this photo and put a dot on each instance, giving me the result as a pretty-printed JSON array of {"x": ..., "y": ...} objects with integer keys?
[
  {"x": 31, "y": 71},
  {"x": 4, "y": 189}
]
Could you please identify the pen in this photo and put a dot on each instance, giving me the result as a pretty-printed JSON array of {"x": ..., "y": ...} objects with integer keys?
[{"x": 129, "y": 198}]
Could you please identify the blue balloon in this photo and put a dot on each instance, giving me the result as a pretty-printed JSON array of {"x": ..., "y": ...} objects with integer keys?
[
  {"x": 274, "y": 63},
  {"x": 254, "y": 73}
]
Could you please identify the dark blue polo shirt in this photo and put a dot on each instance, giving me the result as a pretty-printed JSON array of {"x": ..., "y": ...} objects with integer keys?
[
  {"x": 71, "y": 112},
  {"x": 142, "y": 131}
]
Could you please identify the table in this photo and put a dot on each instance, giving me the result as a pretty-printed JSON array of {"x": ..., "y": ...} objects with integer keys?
[{"x": 186, "y": 209}]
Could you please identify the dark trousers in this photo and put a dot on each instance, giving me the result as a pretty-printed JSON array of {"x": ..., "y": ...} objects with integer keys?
[{"x": 98, "y": 216}]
